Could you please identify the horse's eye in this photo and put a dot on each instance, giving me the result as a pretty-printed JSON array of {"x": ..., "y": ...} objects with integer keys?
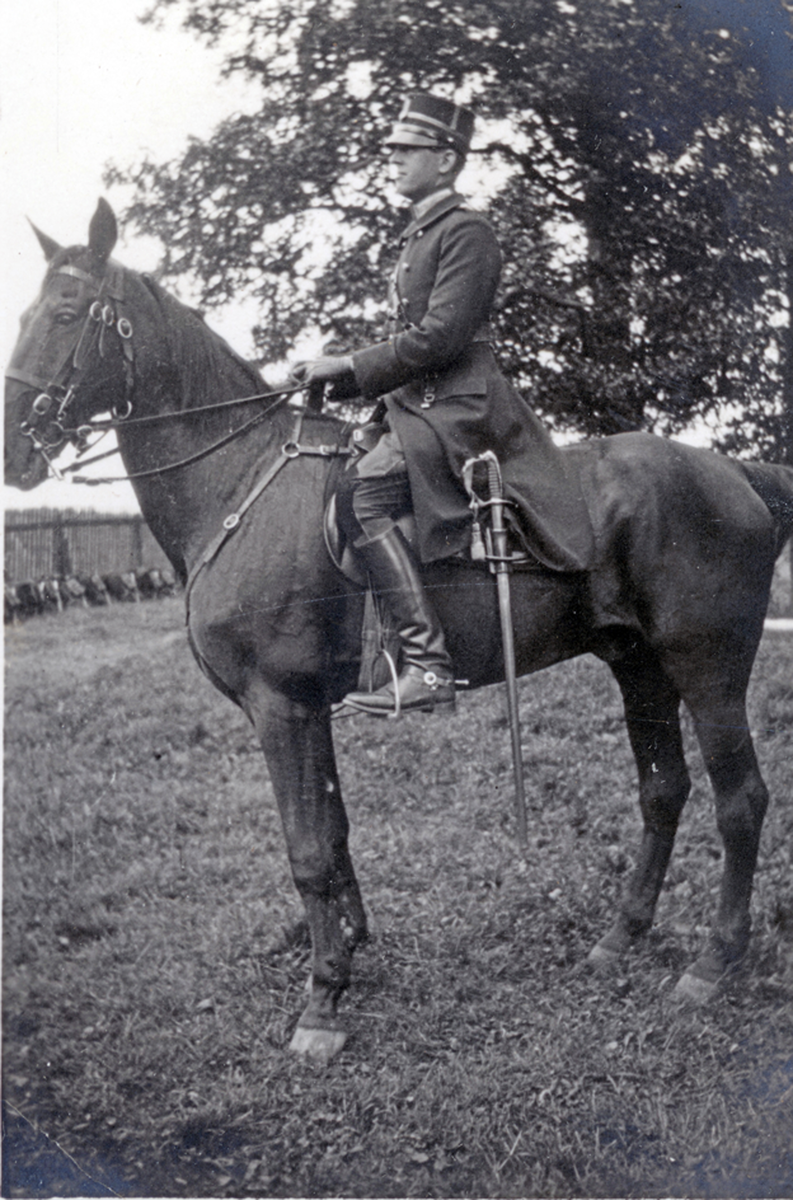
[{"x": 65, "y": 318}]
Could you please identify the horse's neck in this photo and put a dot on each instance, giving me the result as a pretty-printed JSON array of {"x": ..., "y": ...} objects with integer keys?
[{"x": 180, "y": 369}]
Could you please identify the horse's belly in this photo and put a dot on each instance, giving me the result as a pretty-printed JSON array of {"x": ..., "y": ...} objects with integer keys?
[{"x": 546, "y": 618}]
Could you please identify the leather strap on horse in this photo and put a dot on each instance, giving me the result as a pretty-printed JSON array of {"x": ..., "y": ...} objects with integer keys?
[
  {"x": 183, "y": 462},
  {"x": 289, "y": 450},
  {"x": 105, "y": 312},
  {"x": 231, "y": 522}
]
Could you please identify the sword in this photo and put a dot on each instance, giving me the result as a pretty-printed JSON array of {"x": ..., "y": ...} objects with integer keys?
[{"x": 500, "y": 565}]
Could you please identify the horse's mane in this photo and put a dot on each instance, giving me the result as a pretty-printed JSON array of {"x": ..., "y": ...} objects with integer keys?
[{"x": 202, "y": 357}]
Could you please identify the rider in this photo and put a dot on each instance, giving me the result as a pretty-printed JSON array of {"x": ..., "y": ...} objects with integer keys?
[{"x": 444, "y": 401}]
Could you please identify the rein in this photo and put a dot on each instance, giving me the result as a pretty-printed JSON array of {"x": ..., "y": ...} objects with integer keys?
[
  {"x": 118, "y": 423},
  {"x": 183, "y": 462},
  {"x": 290, "y": 449}
]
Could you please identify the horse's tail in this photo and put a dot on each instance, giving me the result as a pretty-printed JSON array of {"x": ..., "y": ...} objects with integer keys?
[{"x": 773, "y": 483}]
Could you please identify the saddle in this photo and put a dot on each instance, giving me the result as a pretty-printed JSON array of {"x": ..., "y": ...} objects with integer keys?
[
  {"x": 379, "y": 639},
  {"x": 482, "y": 480}
]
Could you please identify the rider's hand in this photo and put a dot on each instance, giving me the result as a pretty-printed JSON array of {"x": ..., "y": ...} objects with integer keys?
[
  {"x": 335, "y": 369},
  {"x": 322, "y": 370}
]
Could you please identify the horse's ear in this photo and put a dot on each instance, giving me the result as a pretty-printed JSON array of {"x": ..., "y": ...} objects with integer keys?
[
  {"x": 103, "y": 231},
  {"x": 48, "y": 244}
]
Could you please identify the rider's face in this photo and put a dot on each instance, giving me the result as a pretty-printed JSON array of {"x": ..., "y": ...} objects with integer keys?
[{"x": 418, "y": 171}]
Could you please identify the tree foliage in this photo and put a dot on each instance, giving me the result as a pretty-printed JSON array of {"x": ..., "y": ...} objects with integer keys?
[{"x": 659, "y": 135}]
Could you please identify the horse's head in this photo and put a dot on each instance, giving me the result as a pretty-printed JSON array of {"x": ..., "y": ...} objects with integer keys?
[{"x": 73, "y": 358}]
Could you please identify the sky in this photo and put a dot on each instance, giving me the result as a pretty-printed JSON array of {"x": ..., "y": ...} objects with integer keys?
[{"x": 82, "y": 83}]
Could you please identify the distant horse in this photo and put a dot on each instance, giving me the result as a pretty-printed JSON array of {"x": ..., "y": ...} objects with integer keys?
[
  {"x": 12, "y": 607},
  {"x": 234, "y": 495},
  {"x": 123, "y": 586},
  {"x": 96, "y": 592},
  {"x": 72, "y": 591}
]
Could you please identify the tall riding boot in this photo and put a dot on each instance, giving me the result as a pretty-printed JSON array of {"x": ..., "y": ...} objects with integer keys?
[{"x": 426, "y": 679}]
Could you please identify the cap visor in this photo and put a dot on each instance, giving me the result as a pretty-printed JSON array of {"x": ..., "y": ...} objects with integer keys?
[{"x": 406, "y": 137}]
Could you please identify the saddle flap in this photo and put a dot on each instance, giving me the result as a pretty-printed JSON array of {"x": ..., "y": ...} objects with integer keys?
[{"x": 343, "y": 554}]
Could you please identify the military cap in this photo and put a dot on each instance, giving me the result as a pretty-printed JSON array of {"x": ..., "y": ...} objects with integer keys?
[{"x": 427, "y": 120}]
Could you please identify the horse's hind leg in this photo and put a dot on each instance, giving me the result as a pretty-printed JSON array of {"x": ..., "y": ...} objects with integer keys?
[
  {"x": 296, "y": 740},
  {"x": 741, "y": 802},
  {"x": 652, "y": 715}
]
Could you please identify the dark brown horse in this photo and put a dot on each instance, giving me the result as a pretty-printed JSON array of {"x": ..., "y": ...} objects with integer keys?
[{"x": 675, "y": 604}]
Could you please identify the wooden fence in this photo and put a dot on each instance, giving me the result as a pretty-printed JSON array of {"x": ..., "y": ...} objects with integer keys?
[{"x": 46, "y": 543}]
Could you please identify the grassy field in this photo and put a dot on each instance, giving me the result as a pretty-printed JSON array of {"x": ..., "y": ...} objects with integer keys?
[{"x": 155, "y": 955}]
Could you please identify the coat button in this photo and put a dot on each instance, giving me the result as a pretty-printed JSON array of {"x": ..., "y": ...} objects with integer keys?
[{"x": 405, "y": 266}]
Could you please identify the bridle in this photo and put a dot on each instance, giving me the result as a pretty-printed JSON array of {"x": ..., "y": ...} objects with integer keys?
[{"x": 46, "y": 425}]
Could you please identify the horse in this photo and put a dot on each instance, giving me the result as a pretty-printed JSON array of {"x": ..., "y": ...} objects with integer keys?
[{"x": 232, "y": 484}]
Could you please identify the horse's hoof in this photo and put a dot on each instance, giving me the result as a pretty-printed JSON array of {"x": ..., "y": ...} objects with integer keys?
[
  {"x": 691, "y": 989},
  {"x": 704, "y": 978},
  {"x": 603, "y": 957},
  {"x": 320, "y": 1044}
]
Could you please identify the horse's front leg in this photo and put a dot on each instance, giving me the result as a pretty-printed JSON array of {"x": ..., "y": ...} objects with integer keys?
[{"x": 297, "y": 743}]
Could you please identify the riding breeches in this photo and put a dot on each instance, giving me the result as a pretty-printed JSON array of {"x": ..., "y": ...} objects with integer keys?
[{"x": 380, "y": 492}]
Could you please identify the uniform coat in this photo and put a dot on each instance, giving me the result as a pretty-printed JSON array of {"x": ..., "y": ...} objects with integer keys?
[{"x": 447, "y": 400}]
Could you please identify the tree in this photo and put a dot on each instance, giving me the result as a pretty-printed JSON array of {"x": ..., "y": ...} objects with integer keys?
[{"x": 657, "y": 136}]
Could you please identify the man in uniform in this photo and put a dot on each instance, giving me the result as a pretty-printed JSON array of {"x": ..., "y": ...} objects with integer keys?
[{"x": 444, "y": 401}]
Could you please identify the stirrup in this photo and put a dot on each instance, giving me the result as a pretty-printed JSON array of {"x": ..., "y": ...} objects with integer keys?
[
  {"x": 343, "y": 709},
  {"x": 395, "y": 680},
  {"x": 391, "y": 705}
]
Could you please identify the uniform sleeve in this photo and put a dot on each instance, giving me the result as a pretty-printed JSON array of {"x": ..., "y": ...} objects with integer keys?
[{"x": 469, "y": 264}]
